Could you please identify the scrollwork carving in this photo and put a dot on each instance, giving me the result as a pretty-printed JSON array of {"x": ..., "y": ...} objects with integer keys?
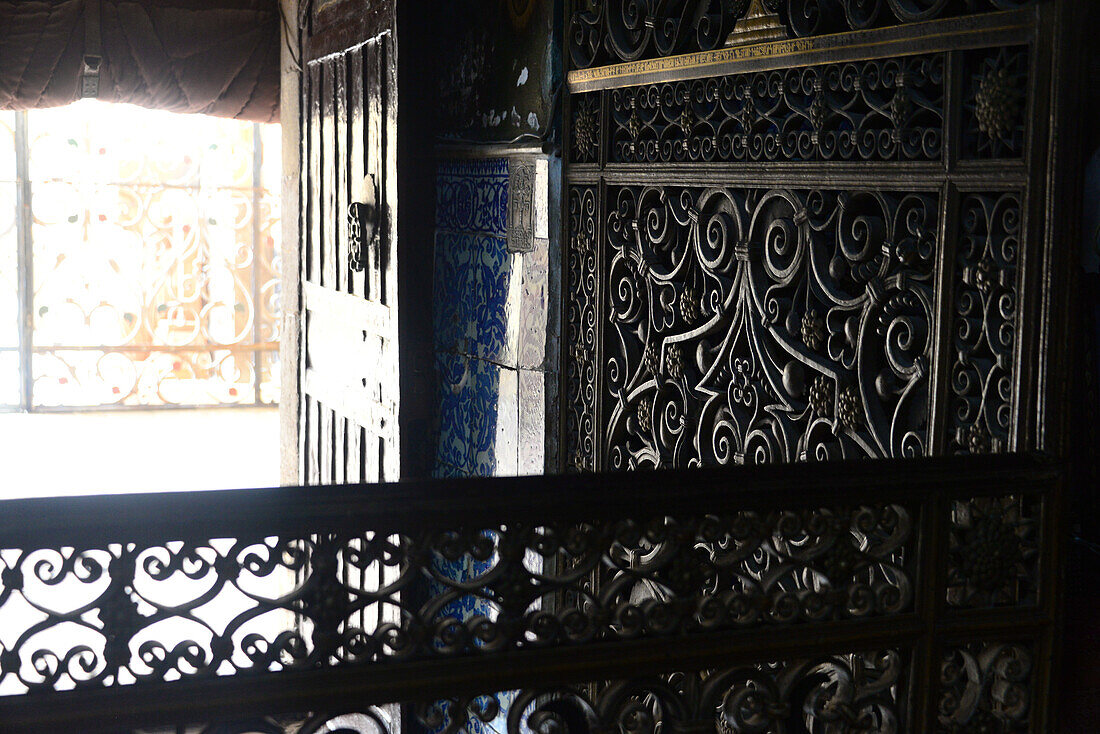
[
  {"x": 581, "y": 264},
  {"x": 986, "y": 687},
  {"x": 810, "y": 339},
  {"x": 985, "y": 323},
  {"x": 889, "y": 109},
  {"x": 608, "y": 31},
  {"x": 833, "y": 693},
  {"x": 125, "y": 614},
  {"x": 849, "y": 692}
]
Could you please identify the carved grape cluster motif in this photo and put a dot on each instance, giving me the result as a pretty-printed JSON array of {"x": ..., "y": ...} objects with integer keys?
[
  {"x": 997, "y": 103},
  {"x": 586, "y": 131},
  {"x": 821, "y": 397}
]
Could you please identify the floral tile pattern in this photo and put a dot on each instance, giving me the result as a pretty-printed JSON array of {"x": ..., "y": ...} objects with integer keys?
[
  {"x": 473, "y": 268},
  {"x": 489, "y": 309},
  {"x": 472, "y": 196},
  {"x": 468, "y": 399},
  {"x": 488, "y": 301}
]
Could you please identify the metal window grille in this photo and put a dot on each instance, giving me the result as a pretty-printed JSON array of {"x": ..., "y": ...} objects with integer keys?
[{"x": 139, "y": 260}]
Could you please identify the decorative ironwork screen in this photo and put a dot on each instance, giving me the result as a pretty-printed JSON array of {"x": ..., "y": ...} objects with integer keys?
[{"x": 139, "y": 259}]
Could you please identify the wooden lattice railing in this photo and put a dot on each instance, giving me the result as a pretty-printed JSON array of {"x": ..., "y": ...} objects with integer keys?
[{"x": 884, "y": 596}]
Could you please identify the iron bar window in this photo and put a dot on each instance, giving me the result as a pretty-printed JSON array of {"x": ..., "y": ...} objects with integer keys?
[{"x": 139, "y": 261}]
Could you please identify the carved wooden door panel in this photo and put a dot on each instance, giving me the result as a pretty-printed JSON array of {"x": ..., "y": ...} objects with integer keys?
[{"x": 351, "y": 410}]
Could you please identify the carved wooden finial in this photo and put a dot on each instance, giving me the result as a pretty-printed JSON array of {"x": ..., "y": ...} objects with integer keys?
[{"x": 758, "y": 26}]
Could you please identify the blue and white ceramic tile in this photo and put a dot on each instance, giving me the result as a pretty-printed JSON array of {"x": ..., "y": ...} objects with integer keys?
[
  {"x": 454, "y": 377},
  {"x": 475, "y": 310},
  {"x": 490, "y": 318},
  {"x": 488, "y": 301},
  {"x": 453, "y": 280},
  {"x": 446, "y": 471},
  {"x": 469, "y": 391},
  {"x": 483, "y": 396},
  {"x": 472, "y": 196}
]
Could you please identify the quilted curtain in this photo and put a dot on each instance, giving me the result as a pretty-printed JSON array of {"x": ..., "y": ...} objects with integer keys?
[{"x": 217, "y": 57}]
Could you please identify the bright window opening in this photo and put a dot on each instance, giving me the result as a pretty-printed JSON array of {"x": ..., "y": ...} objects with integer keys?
[
  {"x": 145, "y": 270},
  {"x": 139, "y": 270}
]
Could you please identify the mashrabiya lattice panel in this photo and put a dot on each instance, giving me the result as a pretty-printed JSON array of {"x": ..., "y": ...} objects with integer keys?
[
  {"x": 156, "y": 274},
  {"x": 755, "y": 325}
]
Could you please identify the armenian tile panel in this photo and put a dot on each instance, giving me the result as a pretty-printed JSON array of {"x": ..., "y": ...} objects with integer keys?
[{"x": 472, "y": 196}]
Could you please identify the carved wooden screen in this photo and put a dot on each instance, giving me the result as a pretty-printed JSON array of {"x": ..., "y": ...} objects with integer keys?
[
  {"x": 833, "y": 244},
  {"x": 817, "y": 248}
]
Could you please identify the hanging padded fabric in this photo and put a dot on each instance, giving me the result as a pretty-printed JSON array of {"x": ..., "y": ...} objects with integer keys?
[{"x": 218, "y": 57}]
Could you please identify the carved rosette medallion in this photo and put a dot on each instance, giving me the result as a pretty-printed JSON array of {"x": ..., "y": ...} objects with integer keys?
[
  {"x": 993, "y": 552},
  {"x": 586, "y": 130}
]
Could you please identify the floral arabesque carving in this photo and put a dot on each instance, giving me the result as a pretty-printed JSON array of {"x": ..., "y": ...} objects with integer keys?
[
  {"x": 985, "y": 687},
  {"x": 608, "y": 31},
  {"x": 812, "y": 334},
  {"x": 885, "y": 109},
  {"x": 985, "y": 323}
]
